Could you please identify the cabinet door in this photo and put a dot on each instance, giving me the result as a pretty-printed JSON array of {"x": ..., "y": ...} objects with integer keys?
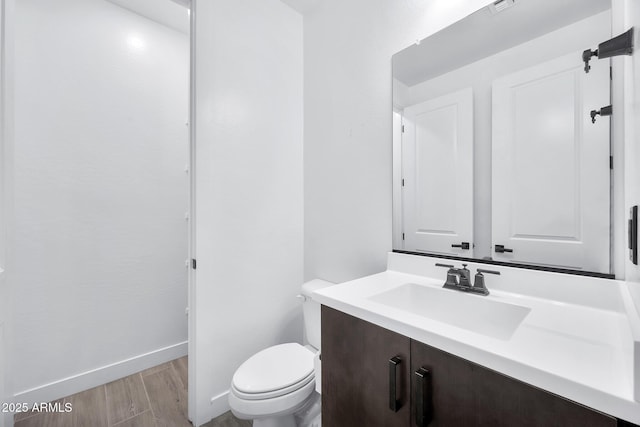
[
  {"x": 357, "y": 380},
  {"x": 506, "y": 402},
  {"x": 466, "y": 394},
  {"x": 450, "y": 396}
]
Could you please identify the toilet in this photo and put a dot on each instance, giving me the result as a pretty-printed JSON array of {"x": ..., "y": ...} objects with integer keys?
[{"x": 276, "y": 387}]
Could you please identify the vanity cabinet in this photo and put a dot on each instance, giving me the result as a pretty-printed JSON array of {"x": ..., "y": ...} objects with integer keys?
[
  {"x": 432, "y": 387},
  {"x": 357, "y": 373}
]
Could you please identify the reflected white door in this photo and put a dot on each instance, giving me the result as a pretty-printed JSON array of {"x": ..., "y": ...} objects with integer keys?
[
  {"x": 551, "y": 173},
  {"x": 437, "y": 166}
]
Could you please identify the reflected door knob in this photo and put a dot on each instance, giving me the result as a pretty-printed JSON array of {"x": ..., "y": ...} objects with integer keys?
[
  {"x": 463, "y": 245},
  {"x": 501, "y": 249}
]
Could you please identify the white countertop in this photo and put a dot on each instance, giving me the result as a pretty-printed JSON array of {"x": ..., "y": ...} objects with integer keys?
[{"x": 577, "y": 341}]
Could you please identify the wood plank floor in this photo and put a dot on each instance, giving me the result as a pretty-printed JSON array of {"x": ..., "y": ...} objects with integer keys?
[{"x": 156, "y": 397}]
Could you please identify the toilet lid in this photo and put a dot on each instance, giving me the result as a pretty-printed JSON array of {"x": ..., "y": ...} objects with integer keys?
[{"x": 274, "y": 368}]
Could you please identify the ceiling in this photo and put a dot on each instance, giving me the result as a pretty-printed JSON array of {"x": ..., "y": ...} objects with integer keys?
[
  {"x": 485, "y": 33},
  {"x": 172, "y": 13}
]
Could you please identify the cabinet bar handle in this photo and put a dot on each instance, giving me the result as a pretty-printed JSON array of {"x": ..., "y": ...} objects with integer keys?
[
  {"x": 424, "y": 406},
  {"x": 394, "y": 363}
]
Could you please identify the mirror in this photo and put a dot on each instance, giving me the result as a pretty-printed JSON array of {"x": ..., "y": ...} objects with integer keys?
[{"x": 495, "y": 153}]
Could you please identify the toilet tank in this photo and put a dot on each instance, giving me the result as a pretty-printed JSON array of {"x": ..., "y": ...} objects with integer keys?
[{"x": 311, "y": 311}]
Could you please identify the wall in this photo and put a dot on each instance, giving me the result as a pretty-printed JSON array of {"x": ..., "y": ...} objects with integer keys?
[
  {"x": 97, "y": 260},
  {"x": 6, "y": 133},
  {"x": 3, "y": 289},
  {"x": 347, "y": 156},
  {"x": 248, "y": 195},
  {"x": 480, "y": 76}
]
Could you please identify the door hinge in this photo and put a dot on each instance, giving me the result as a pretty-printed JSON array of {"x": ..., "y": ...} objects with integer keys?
[
  {"x": 610, "y": 162},
  {"x": 193, "y": 263},
  {"x": 402, "y": 236},
  {"x": 402, "y": 128},
  {"x": 403, "y": 182},
  {"x": 611, "y": 73},
  {"x": 603, "y": 112},
  {"x": 620, "y": 45}
]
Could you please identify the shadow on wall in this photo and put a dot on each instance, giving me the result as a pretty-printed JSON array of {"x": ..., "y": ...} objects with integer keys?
[{"x": 291, "y": 325}]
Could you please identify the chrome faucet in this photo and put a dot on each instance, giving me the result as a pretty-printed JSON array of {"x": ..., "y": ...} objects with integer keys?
[{"x": 460, "y": 279}]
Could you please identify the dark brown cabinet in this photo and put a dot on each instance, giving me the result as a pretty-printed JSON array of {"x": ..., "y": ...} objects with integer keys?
[
  {"x": 432, "y": 388},
  {"x": 357, "y": 383},
  {"x": 467, "y": 394}
]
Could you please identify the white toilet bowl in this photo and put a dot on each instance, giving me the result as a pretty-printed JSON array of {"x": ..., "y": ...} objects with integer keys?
[
  {"x": 276, "y": 386},
  {"x": 272, "y": 385}
]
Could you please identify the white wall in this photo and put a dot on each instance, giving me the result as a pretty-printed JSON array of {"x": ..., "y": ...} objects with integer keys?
[
  {"x": 248, "y": 139},
  {"x": 480, "y": 76},
  {"x": 347, "y": 157},
  {"x": 6, "y": 132},
  {"x": 97, "y": 261},
  {"x": 3, "y": 289}
]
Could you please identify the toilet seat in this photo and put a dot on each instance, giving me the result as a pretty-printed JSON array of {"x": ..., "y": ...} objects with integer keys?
[
  {"x": 276, "y": 380},
  {"x": 274, "y": 371},
  {"x": 274, "y": 393}
]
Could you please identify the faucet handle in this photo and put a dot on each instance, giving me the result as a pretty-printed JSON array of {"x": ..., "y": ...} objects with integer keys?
[
  {"x": 453, "y": 279},
  {"x": 478, "y": 285},
  {"x": 444, "y": 265},
  {"x": 481, "y": 270}
]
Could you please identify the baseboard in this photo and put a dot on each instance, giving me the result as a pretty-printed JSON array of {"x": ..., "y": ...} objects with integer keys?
[
  {"x": 99, "y": 376},
  {"x": 219, "y": 405}
]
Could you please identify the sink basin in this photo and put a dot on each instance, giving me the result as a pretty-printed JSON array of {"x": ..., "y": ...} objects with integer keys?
[{"x": 475, "y": 313}]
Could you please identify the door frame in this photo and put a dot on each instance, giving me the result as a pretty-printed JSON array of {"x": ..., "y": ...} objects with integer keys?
[{"x": 191, "y": 276}]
